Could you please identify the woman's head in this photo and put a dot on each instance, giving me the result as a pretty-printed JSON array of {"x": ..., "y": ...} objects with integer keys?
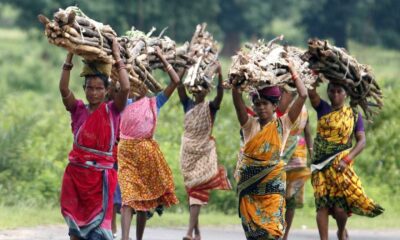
[
  {"x": 96, "y": 81},
  {"x": 96, "y": 88},
  {"x": 337, "y": 94},
  {"x": 200, "y": 96},
  {"x": 139, "y": 91},
  {"x": 265, "y": 102}
]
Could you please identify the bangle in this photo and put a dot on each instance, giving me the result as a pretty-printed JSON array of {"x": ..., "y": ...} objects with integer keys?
[
  {"x": 347, "y": 159},
  {"x": 122, "y": 67},
  {"x": 119, "y": 62},
  {"x": 295, "y": 77},
  {"x": 67, "y": 66},
  {"x": 169, "y": 68}
]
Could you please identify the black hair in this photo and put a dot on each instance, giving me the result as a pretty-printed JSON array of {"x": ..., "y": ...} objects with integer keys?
[
  {"x": 103, "y": 77},
  {"x": 97, "y": 73},
  {"x": 205, "y": 85},
  {"x": 336, "y": 84},
  {"x": 272, "y": 99}
]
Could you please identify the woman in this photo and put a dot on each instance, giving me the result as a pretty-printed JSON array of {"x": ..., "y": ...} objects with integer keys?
[
  {"x": 143, "y": 174},
  {"x": 261, "y": 186},
  {"x": 199, "y": 164},
  {"x": 295, "y": 158},
  {"x": 337, "y": 188},
  {"x": 89, "y": 179}
]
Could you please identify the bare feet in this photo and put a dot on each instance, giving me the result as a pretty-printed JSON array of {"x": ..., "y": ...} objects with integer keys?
[{"x": 345, "y": 235}]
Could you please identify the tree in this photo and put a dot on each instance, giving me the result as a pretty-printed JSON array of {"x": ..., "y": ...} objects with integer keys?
[
  {"x": 238, "y": 18},
  {"x": 328, "y": 19},
  {"x": 180, "y": 16},
  {"x": 385, "y": 19}
]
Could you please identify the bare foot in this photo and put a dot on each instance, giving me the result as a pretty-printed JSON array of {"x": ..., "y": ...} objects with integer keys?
[{"x": 345, "y": 235}]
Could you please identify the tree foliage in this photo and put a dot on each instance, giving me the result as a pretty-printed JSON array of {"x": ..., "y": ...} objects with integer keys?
[{"x": 367, "y": 21}]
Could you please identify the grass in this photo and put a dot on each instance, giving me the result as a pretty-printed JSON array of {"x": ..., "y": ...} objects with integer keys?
[{"x": 24, "y": 216}]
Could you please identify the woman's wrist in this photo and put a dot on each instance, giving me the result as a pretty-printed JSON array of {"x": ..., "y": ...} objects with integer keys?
[
  {"x": 347, "y": 159},
  {"x": 168, "y": 67},
  {"x": 295, "y": 76},
  {"x": 67, "y": 66}
]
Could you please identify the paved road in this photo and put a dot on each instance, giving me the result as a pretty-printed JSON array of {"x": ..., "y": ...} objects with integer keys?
[{"x": 58, "y": 232}]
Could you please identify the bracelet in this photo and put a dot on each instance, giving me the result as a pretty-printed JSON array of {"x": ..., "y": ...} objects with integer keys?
[
  {"x": 169, "y": 67},
  {"x": 347, "y": 159},
  {"x": 122, "y": 67},
  {"x": 67, "y": 66},
  {"x": 295, "y": 77},
  {"x": 119, "y": 62}
]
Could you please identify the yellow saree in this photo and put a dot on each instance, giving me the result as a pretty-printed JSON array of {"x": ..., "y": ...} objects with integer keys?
[
  {"x": 332, "y": 188},
  {"x": 261, "y": 186}
]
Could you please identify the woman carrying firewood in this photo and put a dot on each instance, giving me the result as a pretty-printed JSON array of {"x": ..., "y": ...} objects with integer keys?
[
  {"x": 89, "y": 179},
  {"x": 143, "y": 174},
  {"x": 337, "y": 188},
  {"x": 261, "y": 186},
  {"x": 199, "y": 164},
  {"x": 295, "y": 158}
]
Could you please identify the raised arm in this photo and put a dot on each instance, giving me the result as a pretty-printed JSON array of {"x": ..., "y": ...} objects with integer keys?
[
  {"x": 240, "y": 106},
  {"x": 171, "y": 72},
  {"x": 285, "y": 101},
  {"x": 314, "y": 96},
  {"x": 183, "y": 97},
  {"x": 295, "y": 109},
  {"x": 220, "y": 90},
  {"x": 67, "y": 95},
  {"x": 122, "y": 94}
]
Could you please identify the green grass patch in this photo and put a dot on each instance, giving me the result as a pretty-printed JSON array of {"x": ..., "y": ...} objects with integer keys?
[
  {"x": 28, "y": 216},
  {"x": 15, "y": 217}
]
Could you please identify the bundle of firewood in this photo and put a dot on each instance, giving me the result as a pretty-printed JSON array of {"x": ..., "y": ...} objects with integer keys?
[
  {"x": 81, "y": 35},
  {"x": 336, "y": 65},
  {"x": 138, "y": 54},
  {"x": 74, "y": 31},
  {"x": 204, "y": 51},
  {"x": 267, "y": 65}
]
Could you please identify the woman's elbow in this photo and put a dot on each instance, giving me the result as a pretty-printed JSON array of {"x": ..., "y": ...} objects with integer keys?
[
  {"x": 125, "y": 89},
  {"x": 363, "y": 143}
]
